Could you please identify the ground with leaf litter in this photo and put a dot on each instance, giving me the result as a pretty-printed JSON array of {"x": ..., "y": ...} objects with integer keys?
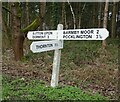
[{"x": 84, "y": 65}]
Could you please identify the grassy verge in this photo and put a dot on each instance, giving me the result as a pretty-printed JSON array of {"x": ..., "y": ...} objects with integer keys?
[{"x": 22, "y": 89}]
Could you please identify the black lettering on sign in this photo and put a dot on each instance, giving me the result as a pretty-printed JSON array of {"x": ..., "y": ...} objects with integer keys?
[
  {"x": 92, "y": 31},
  {"x": 87, "y": 31},
  {"x": 68, "y": 36},
  {"x": 89, "y": 36},
  {"x": 97, "y": 31},
  {"x": 43, "y": 46},
  {"x": 49, "y": 45},
  {"x": 47, "y": 33},
  {"x": 96, "y": 36},
  {"x": 84, "y": 36},
  {"x": 56, "y": 44},
  {"x": 70, "y": 32},
  {"x": 38, "y": 36},
  {"x": 38, "y": 33}
]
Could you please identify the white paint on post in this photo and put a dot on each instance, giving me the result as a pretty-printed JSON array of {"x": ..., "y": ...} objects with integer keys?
[
  {"x": 41, "y": 46},
  {"x": 56, "y": 63}
]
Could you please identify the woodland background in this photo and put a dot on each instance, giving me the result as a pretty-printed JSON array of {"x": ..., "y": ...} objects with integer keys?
[{"x": 89, "y": 65}]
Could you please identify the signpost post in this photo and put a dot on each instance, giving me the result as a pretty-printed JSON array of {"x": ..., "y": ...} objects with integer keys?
[
  {"x": 56, "y": 63},
  {"x": 55, "y": 42}
]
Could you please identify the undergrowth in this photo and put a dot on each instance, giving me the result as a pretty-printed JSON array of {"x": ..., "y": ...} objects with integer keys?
[
  {"x": 22, "y": 89},
  {"x": 83, "y": 63}
]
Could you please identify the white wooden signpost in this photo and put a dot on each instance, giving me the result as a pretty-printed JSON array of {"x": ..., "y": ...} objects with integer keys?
[
  {"x": 84, "y": 34},
  {"x": 73, "y": 34},
  {"x": 41, "y": 46},
  {"x": 55, "y": 42},
  {"x": 56, "y": 63}
]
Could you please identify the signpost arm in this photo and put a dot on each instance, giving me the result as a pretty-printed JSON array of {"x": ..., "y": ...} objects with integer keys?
[{"x": 56, "y": 63}]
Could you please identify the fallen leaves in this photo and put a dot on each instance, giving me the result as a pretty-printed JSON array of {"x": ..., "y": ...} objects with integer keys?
[{"x": 95, "y": 75}]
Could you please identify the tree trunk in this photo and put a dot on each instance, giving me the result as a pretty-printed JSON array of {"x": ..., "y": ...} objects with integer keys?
[
  {"x": 80, "y": 14},
  {"x": 27, "y": 12},
  {"x": 77, "y": 9},
  {"x": 100, "y": 14},
  {"x": 1, "y": 47},
  {"x": 105, "y": 21},
  {"x": 17, "y": 37},
  {"x": 55, "y": 14},
  {"x": 113, "y": 32},
  {"x": 42, "y": 13},
  {"x": 63, "y": 13},
  {"x": 73, "y": 14},
  {"x": 118, "y": 20},
  {"x": 64, "y": 19},
  {"x": 0, "y": 22},
  {"x": 8, "y": 15},
  {"x": 93, "y": 16}
]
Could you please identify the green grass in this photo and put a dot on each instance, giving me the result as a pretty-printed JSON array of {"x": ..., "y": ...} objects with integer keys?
[
  {"x": 21, "y": 89},
  {"x": 82, "y": 51},
  {"x": 75, "y": 56}
]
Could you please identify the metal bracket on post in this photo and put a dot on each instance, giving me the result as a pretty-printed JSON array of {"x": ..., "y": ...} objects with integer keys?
[{"x": 56, "y": 63}]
